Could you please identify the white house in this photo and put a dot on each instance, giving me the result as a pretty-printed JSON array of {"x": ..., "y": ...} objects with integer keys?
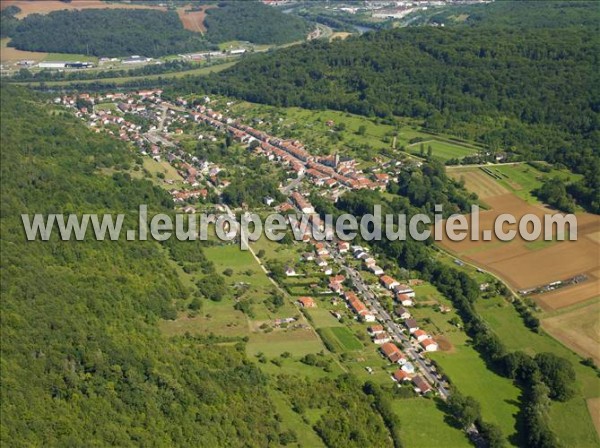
[
  {"x": 381, "y": 338},
  {"x": 405, "y": 300},
  {"x": 376, "y": 270},
  {"x": 402, "y": 313},
  {"x": 420, "y": 335},
  {"x": 375, "y": 329},
  {"x": 404, "y": 289},
  {"x": 408, "y": 367},
  {"x": 411, "y": 325},
  {"x": 369, "y": 317},
  {"x": 429, "y": 345},
  {"x": 321, "y": 262}
]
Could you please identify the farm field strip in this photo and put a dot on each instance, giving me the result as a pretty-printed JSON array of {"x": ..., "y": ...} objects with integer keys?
[
  {"x": 444, "y": 150},
  {"x": 124, "y": 80},
  {"x": 47, "y": 6},
  {"x": 525, "y": 264}
]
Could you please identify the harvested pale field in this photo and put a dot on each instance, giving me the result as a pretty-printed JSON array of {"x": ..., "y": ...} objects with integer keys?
[
  {"x": 46, "y": 6},
  {"x": 340, "y": 35},
  {"x": 524, "y": 264},
  {"x": 478, "y": 182},
  {"x": 193, "y": 20},
  {"x": 593, "y": 405},
  {"x": 569, "y": 295},
  {"x": 578, "y": 329},
  {"x": 9, "y": 54}
]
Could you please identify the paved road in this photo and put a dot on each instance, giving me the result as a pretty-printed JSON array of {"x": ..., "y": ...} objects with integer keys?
[
  {"x": 293, "y": 185},
  {"x": 387, "y": 321}
]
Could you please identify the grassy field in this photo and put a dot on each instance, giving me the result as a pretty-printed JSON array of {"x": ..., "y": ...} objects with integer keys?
[
  {"x": 298, "y": 342},
  {"x": 219, "y": 318},
  {"x": 341, "y": 338},
  {"x": 423, "y": 425},
  {"x": 293, "y": 421},
  {"x": 522, "y": 179},
  {"x": 321, "y": 318},
  {"x": 163, "y": 167},
  {"x": 124, "y": 80},
  {"x": 71, "y": 57},
  {"x": 571, "y": 420},
  {"x": 444, "y": 150},
  {"x": 498, "y": 396}
]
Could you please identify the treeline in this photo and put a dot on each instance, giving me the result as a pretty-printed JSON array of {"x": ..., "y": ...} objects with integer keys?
[
  {"x": 8, "y": 21},
  {"x": 349, "y": 416},
  {"x": 526, "y": 91},
  {"x": 107, "y": 33},
  {"x": 254, "y": 22},
  {"x": 83, "y": 362},
  {"x": 521, "y": 14},
  {"x": 24, "y": 74}
]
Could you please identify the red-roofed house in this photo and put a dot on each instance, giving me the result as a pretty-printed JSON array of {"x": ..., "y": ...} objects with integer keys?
[
  {"x": 420, "y": 335},
  {"x": 388, "y": 281},
  {"x": 421, "y": 386},
  {"x": 392, "y": 352},
  {"x": 429, "y": 345},
  {"x": 400, "y": 376},
  {"x": 375, "y": 329},
  {"x": 343, "y": 246},
  {"x": 381, "y": 338},
  {"x": 404, "y": 299},
  {"x": 307, "y": 302}
]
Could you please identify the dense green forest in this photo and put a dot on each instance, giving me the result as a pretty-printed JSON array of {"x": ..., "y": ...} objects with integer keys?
[
  {"x": 83, "y": 362},
  {"x": 253, "y": 22},
  {"x": 519, "y": 14},
  {"x": 106, "y": 32},
  {"x": 529, "y": 91},
  {"x": 123, "y": 32}
]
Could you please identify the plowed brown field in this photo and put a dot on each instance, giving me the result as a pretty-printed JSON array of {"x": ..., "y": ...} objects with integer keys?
[{"x": 526, "y": 264}]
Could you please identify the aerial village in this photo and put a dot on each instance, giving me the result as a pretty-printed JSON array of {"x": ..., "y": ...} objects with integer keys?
[{"x": 403, "y": 344}]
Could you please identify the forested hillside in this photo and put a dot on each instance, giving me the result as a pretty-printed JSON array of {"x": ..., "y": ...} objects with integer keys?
[
  {"x": 528, "y": 91},
  {"x": 253, "y": 22},
  {"x": 82, "y": 360},
  {"x": 123, "y": 32},
  {"x": 106, "y": 32}
]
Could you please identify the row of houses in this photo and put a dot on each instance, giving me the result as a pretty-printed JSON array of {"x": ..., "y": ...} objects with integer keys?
[
  {"x": 406, "y": 372},
  {"x": 328, "y": 171}
]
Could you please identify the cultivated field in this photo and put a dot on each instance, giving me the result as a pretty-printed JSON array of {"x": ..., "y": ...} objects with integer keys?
[
  {"x": 9, "y": 54},
  {"x": 47, "y": 6},
  {"x": 578, "y": 329},
  {"x": 526, "y": 264},
  {"x": 444, "y": 150},
  {"x": 193, "y": 20},
  {"x": 127, "y": 79}
]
